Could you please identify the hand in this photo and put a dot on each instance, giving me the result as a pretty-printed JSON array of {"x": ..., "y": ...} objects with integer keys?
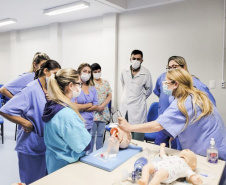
[
  {"x": 123, "y": 124},
  {"x": 29, "y": 127},
  {"x": 195, "y": 179},
  {"x": 163, "y": 144},
  {"x": 90, "y": 104},
  {"x": 100, "y": 108}
]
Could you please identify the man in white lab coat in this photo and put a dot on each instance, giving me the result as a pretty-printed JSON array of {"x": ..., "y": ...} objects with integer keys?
[{"x": 137, "y": 87}]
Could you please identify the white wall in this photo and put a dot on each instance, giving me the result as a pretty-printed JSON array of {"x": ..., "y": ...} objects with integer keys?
[
  {"x": 192, "y": 29},
  {"x": 5, "y": 62}
]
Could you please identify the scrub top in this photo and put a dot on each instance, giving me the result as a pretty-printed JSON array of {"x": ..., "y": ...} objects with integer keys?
[
  {"x": 165, "y": 100},
  {"x": 65, "y": 137},
  {"x": 135, "y": 92},
  {"x": 202, "y": 87},
  {"x": 88, "y": 98},
  {"x": 197, "y": 135},
  {"x": 19, "y": 83},
  {"x": 103, "y": 90},
  {"x": 29, "y": 103}
]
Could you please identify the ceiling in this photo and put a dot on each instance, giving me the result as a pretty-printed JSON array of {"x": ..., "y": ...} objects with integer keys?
[{"x": 29, "y": 13}]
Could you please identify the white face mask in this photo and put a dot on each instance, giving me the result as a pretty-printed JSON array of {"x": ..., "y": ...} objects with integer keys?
[
  {"x": 97, "y": 75},
  {"x": 135, "y": 64},
  {"x": 47, "y": 79},
  {"x": 76, "y": 93},
  {"x": 85, "y": 77}
]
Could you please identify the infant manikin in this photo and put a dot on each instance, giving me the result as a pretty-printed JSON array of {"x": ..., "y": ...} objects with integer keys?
[
  {"x": 119, "y": 139},
  {"x": 171, "y": 168}
]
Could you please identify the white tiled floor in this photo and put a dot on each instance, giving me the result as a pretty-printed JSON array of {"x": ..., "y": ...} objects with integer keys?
[{"x": 9, "y": 172}]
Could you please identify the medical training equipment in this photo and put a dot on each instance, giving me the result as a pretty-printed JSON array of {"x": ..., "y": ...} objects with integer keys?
[{"x": 113, "y": 146}]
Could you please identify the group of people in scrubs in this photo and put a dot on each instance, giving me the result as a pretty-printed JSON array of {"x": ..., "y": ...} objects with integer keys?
[
  {"x": 62, "y": 113},
  {"x": 55, "y": 111},
  {"x": 26, "y": 109}
]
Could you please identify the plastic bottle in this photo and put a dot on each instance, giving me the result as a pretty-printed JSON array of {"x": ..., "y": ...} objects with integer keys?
[{"x": 212, "y": 152}]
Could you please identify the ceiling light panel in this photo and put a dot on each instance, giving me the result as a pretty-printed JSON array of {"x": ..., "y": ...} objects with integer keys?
[
  {"x": 7, "y": 21},
  {"x": 66, "y": 8}
]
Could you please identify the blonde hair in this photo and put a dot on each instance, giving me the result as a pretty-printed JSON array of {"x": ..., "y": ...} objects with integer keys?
[
  {"x": 186, "y": 88},
  {"x": 90, "y": 81},
  {"x": 180, "y": 61},
  {"x": 38, "y": 57},
  {"x": 57, "y": 84}
]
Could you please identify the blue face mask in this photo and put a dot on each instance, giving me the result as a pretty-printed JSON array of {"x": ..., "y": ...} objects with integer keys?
[{"x": 167, "y": 91}]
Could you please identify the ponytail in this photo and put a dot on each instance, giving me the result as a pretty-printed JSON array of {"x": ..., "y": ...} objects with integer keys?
[
  {"x": 50, "y": 65},
  {"x": 56, "y": 87}
]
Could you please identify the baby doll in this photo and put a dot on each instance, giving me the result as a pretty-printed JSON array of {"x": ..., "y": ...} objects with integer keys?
[
  {"x": 124, "y": 137},
  {"x": 171, "y": 168},
  {"x": 119, "y": 138}
]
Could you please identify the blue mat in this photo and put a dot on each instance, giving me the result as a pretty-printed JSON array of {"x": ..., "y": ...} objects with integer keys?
[{"x": 111, "y": 163}]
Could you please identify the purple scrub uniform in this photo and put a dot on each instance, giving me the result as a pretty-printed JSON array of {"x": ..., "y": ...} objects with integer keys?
[
  {"x": 19, "y": 83},
  {"x": 165, "y": 101},
  {"x": 29, "y": 103},
  {"x": 88, "y": 98}
]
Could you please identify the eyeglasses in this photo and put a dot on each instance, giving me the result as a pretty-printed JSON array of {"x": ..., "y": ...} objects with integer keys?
[
  {"x": 79, "y": 84},
  {"x": 173, "y": 67},
  {"x": 168, "y": 82},
  {"x": 139, "y": 59}
]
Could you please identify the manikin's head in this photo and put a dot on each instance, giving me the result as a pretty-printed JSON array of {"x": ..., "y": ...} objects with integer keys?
[
  {"x": 123, "y": 137},
  {"x": 190, "y": 158}
]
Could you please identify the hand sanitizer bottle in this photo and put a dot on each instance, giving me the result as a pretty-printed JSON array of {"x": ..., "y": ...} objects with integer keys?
[{"x": 212, "y": 152}]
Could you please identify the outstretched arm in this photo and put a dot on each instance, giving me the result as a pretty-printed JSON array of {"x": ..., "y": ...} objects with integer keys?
[{"x": 149, "y": 127}]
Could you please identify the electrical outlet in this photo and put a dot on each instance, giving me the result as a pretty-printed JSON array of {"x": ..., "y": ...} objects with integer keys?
[{"x": 223, "y": 85}]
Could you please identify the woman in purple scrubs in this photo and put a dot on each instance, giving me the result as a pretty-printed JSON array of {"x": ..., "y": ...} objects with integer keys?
[
  {"x": 164, "y": 100},
  {"x": 26, "y": 109},
  {"x": 87, "y": 101},
  {"x": 191, "y": 116},
  {"x": 11, "y": 88}
]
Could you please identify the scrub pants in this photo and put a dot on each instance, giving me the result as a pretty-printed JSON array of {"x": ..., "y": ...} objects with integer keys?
[
  {"x": 135, "y": 135},
  {"x": 31, "y": 167},
  {"x": 97, "y": 130}
]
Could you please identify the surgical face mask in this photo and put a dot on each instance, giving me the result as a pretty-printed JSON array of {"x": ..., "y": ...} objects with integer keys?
[
  {"x": 97, "y": 75},
  {"x": 85, "y": 77},
  {"x": 167, "y": 91},
  {"x": 76, "y": 93},
  {"x": 47, "y": 79},
  {"x": 135, "y": 64}
]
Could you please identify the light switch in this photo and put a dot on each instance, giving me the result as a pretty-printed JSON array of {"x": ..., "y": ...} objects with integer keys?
[{"x": 212, "y": 84}]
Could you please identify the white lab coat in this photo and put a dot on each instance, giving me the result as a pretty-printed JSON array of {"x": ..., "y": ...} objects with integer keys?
[{"x": 135, "y": 92}]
